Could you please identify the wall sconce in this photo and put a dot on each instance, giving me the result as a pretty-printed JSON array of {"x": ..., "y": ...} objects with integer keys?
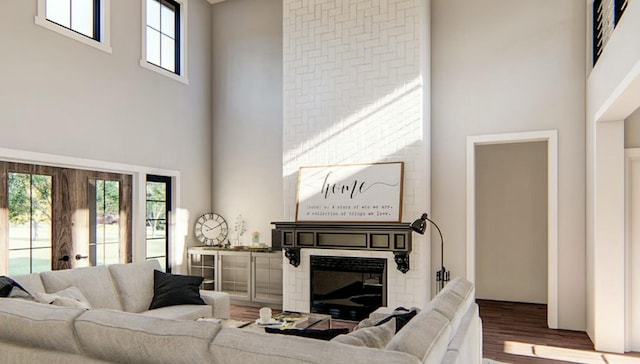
[{"x": 420, "y": 226}]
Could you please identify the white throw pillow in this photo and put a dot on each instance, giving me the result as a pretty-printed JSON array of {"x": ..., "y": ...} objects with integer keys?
[
  {"x": 372, "y": 336},
  {"x": 68, "y": 297}
]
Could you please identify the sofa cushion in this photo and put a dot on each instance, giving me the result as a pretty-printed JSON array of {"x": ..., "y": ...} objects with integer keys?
[
  {"x": 181, "y": 312},
  {"x": 16, "y": 353},
  {"x": 134, "y": 283},
  {"x": 426, "y": 337},
  {"x": 68, "y": 297},
  {"x": 461, "y": 287},
  {"x": 31, "y": 282},
  {"x": 42, "y": 326},
  {"x": 454, "y": 301},
  {"x": 234, "y": 345},
  {"x": 372, "y": 337},
  {"x": 174, "y": 289},
  {"x": 94, "y": 282},
  {"x": 132, "y": 338},
  {"x": 220, "y": 303}
]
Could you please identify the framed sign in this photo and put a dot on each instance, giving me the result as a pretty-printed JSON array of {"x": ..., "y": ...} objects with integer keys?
[{"x": 351, "y": 193}]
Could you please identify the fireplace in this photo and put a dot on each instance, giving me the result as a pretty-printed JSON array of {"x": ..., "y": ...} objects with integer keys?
[{"x": 347, "y": 288}]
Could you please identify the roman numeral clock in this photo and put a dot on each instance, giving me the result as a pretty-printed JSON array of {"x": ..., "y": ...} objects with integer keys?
[{"x": 211, "y": 229}]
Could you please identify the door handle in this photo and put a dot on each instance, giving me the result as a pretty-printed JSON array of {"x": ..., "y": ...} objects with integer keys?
[
  {"x": 80, "y": 256},
  {"x": 65, "y": 258}
]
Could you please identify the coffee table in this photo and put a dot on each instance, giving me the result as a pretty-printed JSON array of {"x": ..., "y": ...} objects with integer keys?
[
  {"x": 294, "y": 320},
  {"x": 285, "y": 320}
]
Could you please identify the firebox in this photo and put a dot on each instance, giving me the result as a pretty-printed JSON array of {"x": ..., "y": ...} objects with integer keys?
[{"x": 348, "y": 288}]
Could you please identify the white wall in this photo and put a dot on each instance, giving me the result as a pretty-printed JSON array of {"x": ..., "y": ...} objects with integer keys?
[
  {"x": 511, "y": 222},
  {"x": 247, "y": 113},
  {"x": 61, "y": 97},
  {"x": 502, "y": 66},
  {"x": 632, "y": 249},
  {"x": 632, "y": 130},
  {"x": 613, "y": 93}
]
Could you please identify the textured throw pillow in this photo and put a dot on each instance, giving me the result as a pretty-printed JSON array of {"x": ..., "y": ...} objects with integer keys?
[
  {"x": 368, "y": 322},
  {"x": 174, "y": 289},
  {"x": 327, "y": 334},
  {"x": 12, "y": 289},
  {"x": 373, "y": 337},
  {"x": 68, "y": 297},
  {"x": 402, "y": 316}
]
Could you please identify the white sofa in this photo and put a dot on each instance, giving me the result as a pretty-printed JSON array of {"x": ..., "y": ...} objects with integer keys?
[
  {"x": 123, "y": 287},
  {"x": 447, "y": 330}
]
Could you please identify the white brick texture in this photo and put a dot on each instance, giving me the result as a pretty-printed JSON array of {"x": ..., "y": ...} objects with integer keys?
[{"x": 354, "y": 93}]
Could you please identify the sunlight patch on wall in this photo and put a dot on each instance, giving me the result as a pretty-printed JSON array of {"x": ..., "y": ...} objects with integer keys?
[{"x": 374, "y": 133}]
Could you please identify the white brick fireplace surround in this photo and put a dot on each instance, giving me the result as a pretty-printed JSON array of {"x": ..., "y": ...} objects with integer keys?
[{"x": 356, "y": 91}]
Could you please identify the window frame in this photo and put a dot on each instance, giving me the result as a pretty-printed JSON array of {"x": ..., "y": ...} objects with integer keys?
[
  {"x": 168, "y": 181},
  {"x": 102, "y": 40},
  {"x": 181, "y": 43}
]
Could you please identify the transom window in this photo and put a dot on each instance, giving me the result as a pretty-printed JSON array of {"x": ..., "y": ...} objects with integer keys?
[
  {"x": 81, "y": 16},
  {"x": 163, "y": 34},
  {"x": 86, "y": 21}
]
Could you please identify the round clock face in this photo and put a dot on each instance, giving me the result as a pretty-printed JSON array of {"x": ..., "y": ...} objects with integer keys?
[{"x": 211, "y": 229}]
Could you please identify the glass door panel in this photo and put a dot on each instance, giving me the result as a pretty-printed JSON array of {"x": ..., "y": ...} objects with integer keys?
[
  {"x": 29, "y": 233},
  {"x": 104, "y": 215}
]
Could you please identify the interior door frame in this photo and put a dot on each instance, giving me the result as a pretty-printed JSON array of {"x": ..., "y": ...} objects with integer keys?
[
  {"x": 632, "y": 254},
  {"x": 551, "y": 137}
]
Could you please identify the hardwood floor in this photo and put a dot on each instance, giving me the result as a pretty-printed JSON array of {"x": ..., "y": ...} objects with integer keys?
[{"x": 518, "y": 333}]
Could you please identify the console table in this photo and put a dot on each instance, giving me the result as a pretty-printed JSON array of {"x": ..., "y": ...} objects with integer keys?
[{"x": 249, "y": 276}]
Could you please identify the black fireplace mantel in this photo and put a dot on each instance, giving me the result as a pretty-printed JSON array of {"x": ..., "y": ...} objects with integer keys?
[{"x": 394, "y": 237}]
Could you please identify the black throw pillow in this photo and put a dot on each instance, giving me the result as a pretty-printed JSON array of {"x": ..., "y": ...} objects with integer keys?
[
  {"x": 402, "y": 316},
  {"x": 174, "y": 289},
  {"x": 327, "y": 334},
  {"x": 12, "y": 289}
]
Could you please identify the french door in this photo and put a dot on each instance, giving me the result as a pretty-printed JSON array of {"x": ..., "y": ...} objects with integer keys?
[{"x": 58, "y": 218}]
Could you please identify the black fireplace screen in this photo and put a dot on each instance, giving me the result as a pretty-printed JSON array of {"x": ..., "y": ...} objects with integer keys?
[{"x": 348, "y": 288}]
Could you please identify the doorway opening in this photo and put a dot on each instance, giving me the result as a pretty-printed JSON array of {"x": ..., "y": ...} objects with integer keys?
[
  {"x": 477, "y": 221},
  {"x": 511, "y": 222}
]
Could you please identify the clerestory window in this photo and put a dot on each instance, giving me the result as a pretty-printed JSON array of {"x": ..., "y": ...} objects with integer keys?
[
  {"x": 86, "y": 21},
  {"x": 164, "y": 37}
]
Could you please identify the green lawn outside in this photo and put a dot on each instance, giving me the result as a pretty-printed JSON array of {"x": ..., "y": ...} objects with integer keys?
[{"x": 108, "y": 253}]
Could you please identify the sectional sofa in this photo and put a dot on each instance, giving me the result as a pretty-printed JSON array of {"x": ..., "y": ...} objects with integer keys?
[{"x": 119, "y": 328}]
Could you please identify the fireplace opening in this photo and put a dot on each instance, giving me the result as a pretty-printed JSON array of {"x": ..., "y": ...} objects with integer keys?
[{"x": 348, "y": 288}]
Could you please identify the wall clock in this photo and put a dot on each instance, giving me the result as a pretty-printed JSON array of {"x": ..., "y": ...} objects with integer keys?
[{"x": 211, "y": 229}]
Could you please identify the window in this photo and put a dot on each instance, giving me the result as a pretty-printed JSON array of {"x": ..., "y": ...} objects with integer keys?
[
  {"x": 29, "y": 200},
  {"x": 163, "y": 37},
  {"x": 82, "y": 16},
  {"x": 158, "y": 211},
  {"x": 86, "y": 21}
]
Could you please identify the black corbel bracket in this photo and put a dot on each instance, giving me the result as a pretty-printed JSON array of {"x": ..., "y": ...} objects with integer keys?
[
  {"x": 402, "y": 261},
  {"x": 293, "y": 255}
]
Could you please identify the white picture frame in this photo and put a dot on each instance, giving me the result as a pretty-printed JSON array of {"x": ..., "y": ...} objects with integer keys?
[{"x": 350, "y": 193}]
